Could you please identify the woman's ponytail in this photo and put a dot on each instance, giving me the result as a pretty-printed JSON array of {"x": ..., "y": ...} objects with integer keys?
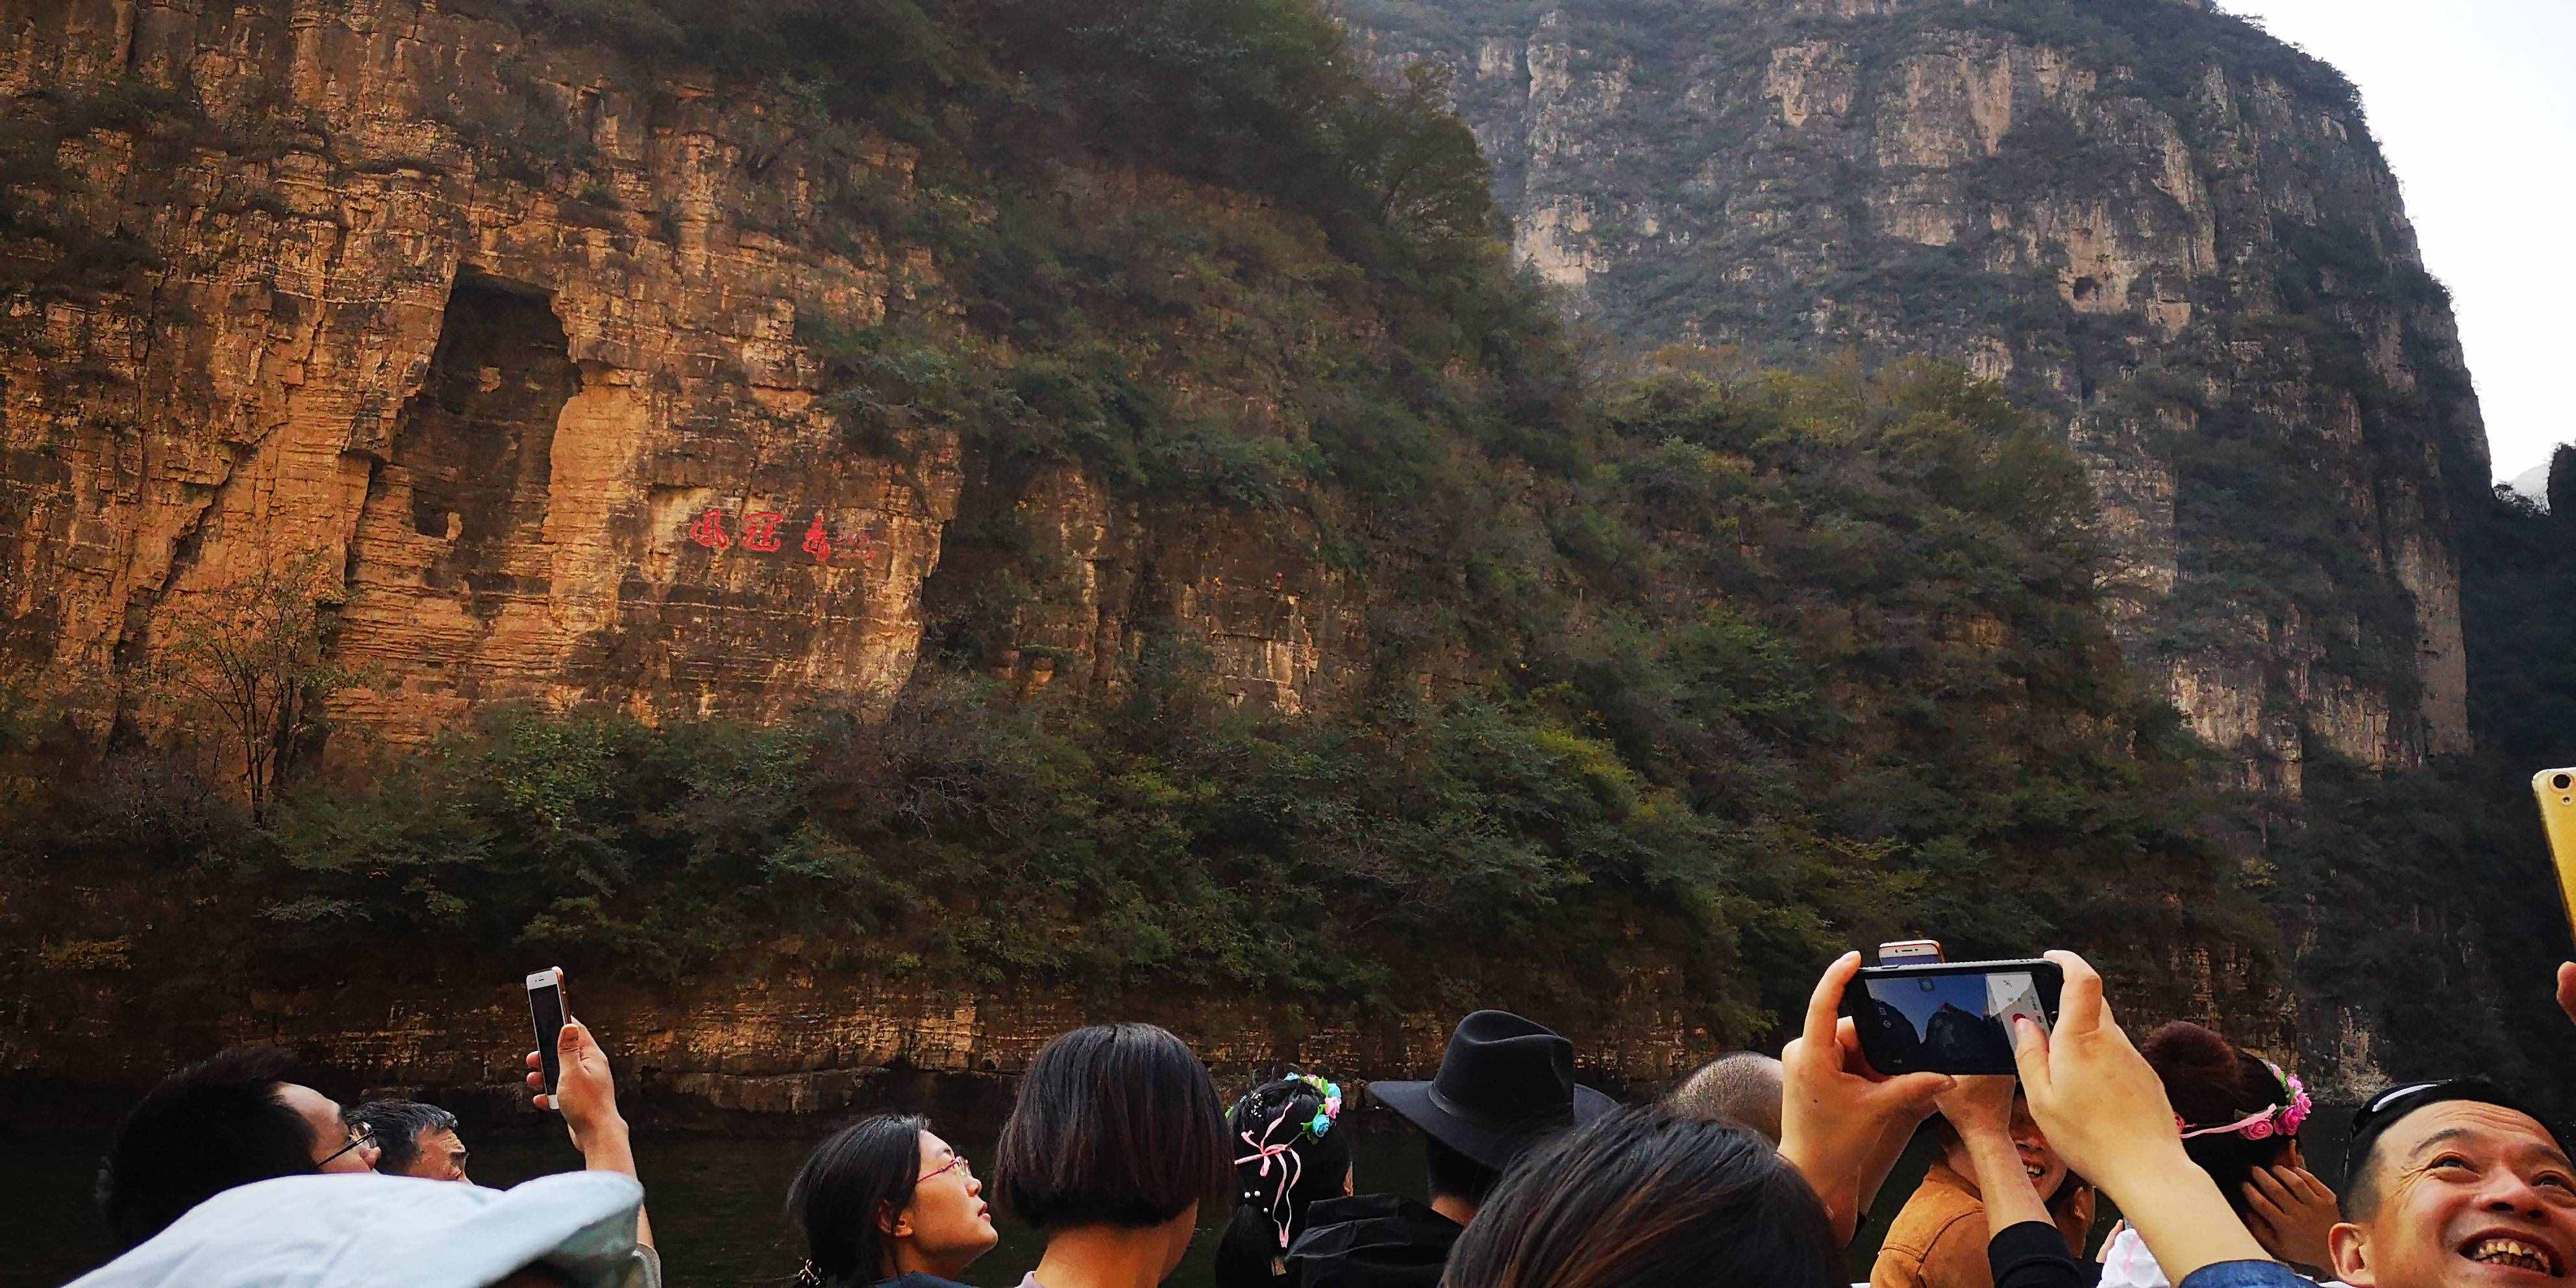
[
  {"x": 1248, "y": 1250},
  {"x": 1288, "y": 1153}
]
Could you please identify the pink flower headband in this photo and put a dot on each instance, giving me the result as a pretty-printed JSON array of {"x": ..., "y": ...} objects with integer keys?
[{"x": 2276, "y": 1120}]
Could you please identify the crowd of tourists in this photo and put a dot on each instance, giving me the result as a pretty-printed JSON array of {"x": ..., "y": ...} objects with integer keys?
[{"x": 1756, "y": 1170}]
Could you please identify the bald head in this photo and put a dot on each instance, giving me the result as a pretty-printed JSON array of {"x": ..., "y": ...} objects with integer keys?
[{"x": 1743, "y": 1088}]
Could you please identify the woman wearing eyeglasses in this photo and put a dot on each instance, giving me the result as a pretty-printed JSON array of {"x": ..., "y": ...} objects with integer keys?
[{"x": 886, "y": 1200}]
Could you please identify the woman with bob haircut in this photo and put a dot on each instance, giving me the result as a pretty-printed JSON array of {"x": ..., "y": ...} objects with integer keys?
[
  {"x": 1646, "y": 1198},
  {"x": 886, "y": 1200},
  {"x": 1115, "y": 1140}
]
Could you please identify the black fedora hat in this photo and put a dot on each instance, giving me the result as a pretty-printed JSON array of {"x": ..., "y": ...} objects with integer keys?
[{"x": 1504, "y": 1083}]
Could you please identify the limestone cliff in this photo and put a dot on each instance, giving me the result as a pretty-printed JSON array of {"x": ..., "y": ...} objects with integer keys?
[
  {"x": 2170, "y": 232},
  {"x": 1380, "y": 661},
  {"x": 507, "y": 341},
  {"x": 500, "y": 407}
]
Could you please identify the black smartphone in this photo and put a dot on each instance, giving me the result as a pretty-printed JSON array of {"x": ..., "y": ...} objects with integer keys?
[
  {"x": 546, "y": 1016},
  {"x": 1949, "y": 1017}
]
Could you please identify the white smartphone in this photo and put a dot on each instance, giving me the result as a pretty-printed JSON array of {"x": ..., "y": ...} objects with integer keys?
[{"x": 546, "y": 1015}]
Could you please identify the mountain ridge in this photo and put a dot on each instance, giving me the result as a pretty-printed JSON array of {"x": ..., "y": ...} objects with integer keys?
[{"x": 2157, "y": 225}]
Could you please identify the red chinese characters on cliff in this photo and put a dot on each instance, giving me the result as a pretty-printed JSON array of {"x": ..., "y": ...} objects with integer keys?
[
  {"x": 757, "y": 531},
  {"x": 709, "y": 530}
]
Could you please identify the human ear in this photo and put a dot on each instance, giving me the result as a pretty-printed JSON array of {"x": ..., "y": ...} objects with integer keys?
[
  {"x": 894, "y": 1222},
  {"x": 2350, "y": 1248}
]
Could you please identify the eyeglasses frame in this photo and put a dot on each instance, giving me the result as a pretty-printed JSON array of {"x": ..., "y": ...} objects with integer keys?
[{"x": 359, "y": 1134}]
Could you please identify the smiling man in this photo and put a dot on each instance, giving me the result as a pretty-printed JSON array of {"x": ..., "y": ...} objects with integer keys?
[{"x": 2455, "y": 1185}]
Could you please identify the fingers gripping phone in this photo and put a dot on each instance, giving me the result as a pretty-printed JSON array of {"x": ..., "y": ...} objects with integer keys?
[
  {"x": 546, "y": 1015},
  {"x": 2556, "y": 789},
  {"x": 1949, "y": 1017}
]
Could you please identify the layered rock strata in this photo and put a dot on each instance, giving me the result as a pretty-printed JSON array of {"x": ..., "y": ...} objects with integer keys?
[
  {"x": 508, "y": 344},
  {"x": 794, "y": 1044},
  {"x": 2170, "y": 232}
]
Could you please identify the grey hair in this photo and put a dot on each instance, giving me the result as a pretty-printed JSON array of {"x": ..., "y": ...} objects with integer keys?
[
  {"x": 1742, "y": 1088},
  {"x": 397, "y": 1125}
]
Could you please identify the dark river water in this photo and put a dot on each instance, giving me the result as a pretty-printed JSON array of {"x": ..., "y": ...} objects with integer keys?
[{"x": 717, "y": 1200}]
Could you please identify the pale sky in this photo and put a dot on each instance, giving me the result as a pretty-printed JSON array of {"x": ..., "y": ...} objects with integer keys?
[{"x": 2474, "y": 101}]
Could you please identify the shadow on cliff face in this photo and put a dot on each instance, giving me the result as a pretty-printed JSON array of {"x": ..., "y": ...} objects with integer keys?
[{"x": 473, "y": 449}]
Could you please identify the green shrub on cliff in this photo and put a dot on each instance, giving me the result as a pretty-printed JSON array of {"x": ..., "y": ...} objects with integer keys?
[
  {"x": 1675, "y": 685},
  {"x": 1812, "y": 660},
  {"x": 2440, "y": 875}
]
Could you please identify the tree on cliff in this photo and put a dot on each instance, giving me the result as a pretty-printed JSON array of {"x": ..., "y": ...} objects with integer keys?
[
  {"x": 2562, "y": 483},
  {"x": 256, "y": 653}
]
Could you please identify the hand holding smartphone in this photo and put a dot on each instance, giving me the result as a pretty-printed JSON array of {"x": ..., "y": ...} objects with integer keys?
[
  {"x": 546, "y": 1015},
  {"x": 1949, "y": 1017},
  {"x": 2556, "y": 791}
]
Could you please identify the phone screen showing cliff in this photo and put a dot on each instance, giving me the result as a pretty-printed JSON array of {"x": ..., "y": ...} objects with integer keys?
[{"x": 1948, "y": 1023}]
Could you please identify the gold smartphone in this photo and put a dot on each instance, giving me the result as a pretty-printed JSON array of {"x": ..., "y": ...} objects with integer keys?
[{"x": 2556, "y": 789}]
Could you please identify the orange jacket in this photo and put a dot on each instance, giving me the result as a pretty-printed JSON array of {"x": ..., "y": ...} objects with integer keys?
[{"x": 1939, "y": 1238}]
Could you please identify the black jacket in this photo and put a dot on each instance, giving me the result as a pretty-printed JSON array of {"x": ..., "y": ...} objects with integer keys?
[
  {"x": 2032, "y": 1254},
  {"x": 1372, "y": 1241}
]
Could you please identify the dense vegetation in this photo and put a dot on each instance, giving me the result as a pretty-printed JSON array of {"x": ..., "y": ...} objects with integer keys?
[
  {"x": 2440, "y": 876},
  {"x": 1709, "y": 218},
  {"x": 1835, "y": 673},
  {"x": 1682, "y": 678}
]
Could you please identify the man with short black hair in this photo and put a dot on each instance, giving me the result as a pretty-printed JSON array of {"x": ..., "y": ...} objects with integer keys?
[
  {"x": 2454, "y": 1184},
  {"x": 413, "y": 1139},
  {"x": 216, "y": 1124},
  {"x": 1505, "y": 1084}
]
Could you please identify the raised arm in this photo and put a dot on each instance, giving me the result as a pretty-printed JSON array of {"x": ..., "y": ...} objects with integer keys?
[
  {"x": 1834, "y": 1110},
  {"x": 2106, "y": 1113},
  {"x": 587, "y": 1097},
  {"x": 1981, "y": 1109}
]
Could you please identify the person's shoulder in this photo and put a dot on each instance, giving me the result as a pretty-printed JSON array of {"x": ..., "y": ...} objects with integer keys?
[
  {"x": 917, "y": 1279},
  {"x": 1931, "y": 1211},
  {"x": 1896, "y": 1267},
  {"x": 2244, "y": 1274},
  {"x": 1371, "y": 1241},
  {"x": 1954, "y": 1250},
  {"x": 1359, "y": 1207},
  {"x": 1965, "y": 1224}
]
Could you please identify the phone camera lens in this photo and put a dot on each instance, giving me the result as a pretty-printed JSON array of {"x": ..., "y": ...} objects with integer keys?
[{"x": 2562, "y": 782}]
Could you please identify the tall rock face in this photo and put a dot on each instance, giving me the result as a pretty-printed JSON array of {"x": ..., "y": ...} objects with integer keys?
[
  {"x": 2166, "y": 230},
  {"x": 278, "y": 306},
  {"x": 1170, "y": 374},
  {"x": 512, "y": 347}
]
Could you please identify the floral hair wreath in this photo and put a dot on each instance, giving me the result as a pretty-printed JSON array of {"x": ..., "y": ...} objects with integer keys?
[
  {"x": 2282, "y": 1119},
  {"x": 1327, "y": 1113},
  {"x": 1283, "y": 1153}
]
